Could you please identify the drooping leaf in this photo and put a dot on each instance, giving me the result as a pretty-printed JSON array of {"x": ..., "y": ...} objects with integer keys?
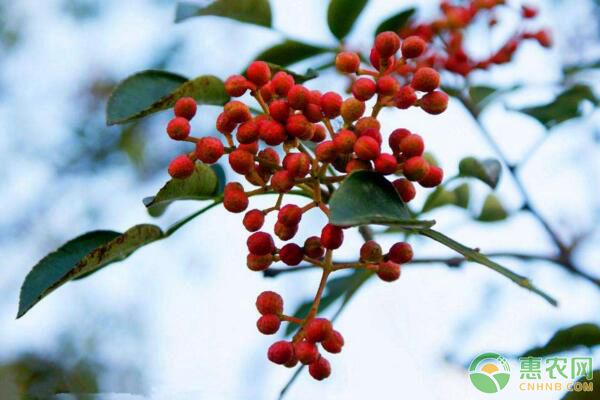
[
  {"x": 290, "y": 51},
  {"x": 566, "y": 106},
  {"x": 342, "y": 14},
  {"x": 586, "y": 335},
  {"x": 366, "y": 197},
  {"x": 299, "y": 78},
  {"x": 492, "y": 210},
  {"x": 80, "y": 256},
  {"x": 203, "y": 184},
  {"x": 585, "y": 394},
  {"x": 462, "y": 194},
  {"x": 438, "y": 198},
  {"x": 151, "y": 91},
  {"x": 487, "y": 171},
  {"x": 256, "y": 12},
  {"x": 475, "y": 256},
  {"x": 397, "y": 21}
]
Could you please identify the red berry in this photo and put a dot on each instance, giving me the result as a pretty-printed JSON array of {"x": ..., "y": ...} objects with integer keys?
[
  {"x": 331, "y": 104},
  {"x": 251, "y": 148},
  {"x": 413, "y": 47},
  {"x": 425, "y": 80},
  {"x": 258, "y": 72},
  {"x": 247, "y": 132},
  {"x": 433, "y": 178},
  {"x": 529, "y": 11},
  {"x": 258, "y": 263},
  {"x": 387, "y": 44},
  {"x": 400, "y": 253},
  {"x": 254, "y": 220},
  {"x": 544, "y": 38},
  {"x": 415, "y": 168},
  {"x": 387, "y": 86},
  {"x": 366, "y": 123},
  {"x": 376, "y": 59},
  {"x": 405, "y": 98},
  {"x": 334, "y": 342},
  {"x": 367, "y": 148},
  {"x": 241, "y": 161},
  {"x": 181, "y": 167},
  {"x": 291, "y": 254},
  {"x": 326, "y": 151},
  {"x": 297, "y": 164},
  {"x": 386, "y": 164},
  {"x": 260, "y": 243},
  {"x": 363, "y": 89},
  {"x": 224, "y": 124},
  {"x": 281, "y": 352},
  {"x": 178, "y": 128},
  {"x": 235, "y": 201},
  {"x": 279, "y": 110},
  {"x": 282, "y": 82},
  {"x": 356, "y": 165},
  {"x": 285, "y": 232},
  {"x": 282, "y": 181},
  {"x": 233, "y": 187},
  {"x": 374, "y": 134},
  {"x": 405, "y": 189},
  {"x": 434, "y": 102},
  {"x": 268, "y": 324},
  {"x": 236, "y": 85},
  {"x": 272, "y": 133},
  {"x": 388, "y": 271},
  {"x": 412, "y": 146},
  {"x": 332, "y": 237},
  {"x": 344, "y": 141},
  {"x": 306, "y": 352},
  {"x": 313, "y": 248},
  {"x": 269, "y": 302},
  {"x": 298, "y": 126},
  {"x": 237, "y": 111},
  {"x": 370, "y": 251},
  {"x": 290, "y": 215},
  {"x": 347, "y": 62},
  {"x": 396, "y": 137},
  {"x": 209, "y": 150},
  {"x": 318, "y": 329},
  {"x": 319, "y": 134},
  {"x": 320, "y": 369},
  {"x": 313, "y": 112},
  {"x": 185, "y": 107},
  {"x": 352, "y": 109},
  {"x": 268, "y": 158},
  {"x": 298, "y": 97},
  {"x": 266, "y": 92}
]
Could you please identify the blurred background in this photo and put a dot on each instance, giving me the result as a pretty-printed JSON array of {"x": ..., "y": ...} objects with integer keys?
[{"x": 177, "y": 319}]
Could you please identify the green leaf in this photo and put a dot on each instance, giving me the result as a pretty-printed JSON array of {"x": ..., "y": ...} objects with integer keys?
[
  {"x": 256, "y": 12},
  {"x": 583, "y": 394},
  {"x": 203, "y": 184},
  {"x": 576, "y": 68},
  {"x": 80, "y": 256},
  {"x": 299, "y": 78},
  {"x": 291, "y": 51},
  {"x": 479, "y": 94},
  {"x": 566, "y": 106},
  {"x": 586, "y": 334},
  {"x": 476, "y": 256},
  {"x": 438, "y": 198},
  {"x": 151, "y": 91},
  {"x": 487, "y": 171},
  {"x": 462, "y": 194},
  {"x": 366, "y": 197},
  {"x": 396, "y": 22},
  {"x": 342, "y": 14},
  {"x": 492, "y": 210}
]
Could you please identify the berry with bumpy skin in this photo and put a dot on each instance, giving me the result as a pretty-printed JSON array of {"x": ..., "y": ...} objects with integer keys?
[
  {"x": 400, "y": 253},
  {"x": 313, "y": 248},
  {"x": 352, "y": 109},
  {"x": 235, "y": 201},
  {"x": 266, "y": 92},
  {"x": 357, "y": 165},
  {"x": 367, "y": 148},
  {"x": 241, "y": 161},
  {"x": 185, "y": 107},
  {"x": 413, "y": 47},
  {"x": 332, "y": 237},
  {"x": 279, "y": 110},
  {"x": 313, "y": 112},
  {"x": 209, "y": 150},
  {"x": 254, "y": 220},
  {"x": 291, "y": 254},
  {"x": 387, "y": 44},
  {"x": 247, "y": 132},
  {"x": 433, "y": 178},
  {"x": 387, "y": 86},
  {"x": 282, "y": 82},
  {"x": 298, "y": 97},
  {"x": 258, "y": 72},
  {"x": 258, "y": 263},
  {"x": 347, "y": 62},
  {"x": 376, "y": 61},
  {"x": 290, "y": 215},
  {"x": 181, "y": 167},
  {"x": 272, "y": 133},
  {"x": 425, "y": 79},
  {"x": 285, "y": 232},
  {"x": 237, "y": 111},
  {"x": 320, "y": 369},
  {"x": 318, "y": 329},
  {"x": 388, "y": 271},
  {"x": 412, "y": 146},
  {"x": 415, "y": 168},
  {"x": 373, "y": 133},
  {"x": 319, "y": 134},
  {"x": 269, "y": 302},
  {"x": 371, "y": 251},
  {"x": 434, "y": 103},
  {"x": 251, "y": 148},
  {"x": 268, "y": 324},
  {"x": 331, "y": 104},
  {"x": 282, "y": 181},
  {"x": 268, "y": 158},
  {"x": 297, "y": 164},
  {"x": 326, "y": 151},
  {"x": 334, "y": 343},
  {"x": 363, "y": 89},
  {"x": 396, "y": 137},
  {"x": 306, "y": 352},
  {"x": 179, "y": 128},
  {"x": 386, "y": 164},
  {"x": 281, "y": 352},
  {"x": 236, "y": 85},
  {"x": 224, "y": 124},
  {"x": 366, "y": 123},
  {"x": 344, "y": 141},
  {"x": 260, "y": 243},
  {"x": 405, "y": 189},
  {"x": 405, "y": 98},
  {"x": 298, "y": 126}
]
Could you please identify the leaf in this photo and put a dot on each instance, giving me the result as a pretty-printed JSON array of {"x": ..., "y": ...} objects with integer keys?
[
  {"x": 290, "y": 52},
  {"x": 342, "y": 14},
  {"x": 476, "y": 256},
  {"x": 299, "y": 78},
  {"x": 492, "y": 210},
  {"x": 80, "y": 256},
  {"x": 583, "y": 394},
  {"x": 396, "y": 22},
  {"x": 366, "y": 197},
  {"x": 586, "y": 334},
  {"x": 203, "y": 184},
  {"x": 256, "y": 12},
  {"x": 576, "y": 68},
  {"x": 479, "y": 94},
  {"x": 487, "y": 171},
  {"x": 151, "y": 91},
  {"x": 566, "y": 106},
  {"x": 438, "y": 198},
  {"x": 462, "y": 194}
]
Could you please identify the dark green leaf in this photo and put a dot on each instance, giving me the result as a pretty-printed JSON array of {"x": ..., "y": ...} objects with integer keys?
[
  {"x": 256, "y": 12},
  {"x": 299, "y": 78},
  {"x": 342, "y": 14},
  {"x": 80, "y": 256},
  {"x": 564, "y": 107},
  {"x": 475, "y": 256},
  {"x": 481, "y": 93},
  {"x": 396, "y": 22},
  {"x": 492, "y": 210},
  {"x": 290, "y": 51},
  {"x": 438, "y": 198},
  {"x": 586, "y": 334},
  {"x": 487, "y": 171},
  {"x": 585, "y": 394},
  {"x": 366, "y": 197},
  {"x": 463, "y": 195},
  {"x": 151, "y": 91},
  {"x": 203, "y": 184}
]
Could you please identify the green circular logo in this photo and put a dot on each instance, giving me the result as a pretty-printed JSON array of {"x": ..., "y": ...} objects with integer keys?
[{"x": 489, "y": 372}]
